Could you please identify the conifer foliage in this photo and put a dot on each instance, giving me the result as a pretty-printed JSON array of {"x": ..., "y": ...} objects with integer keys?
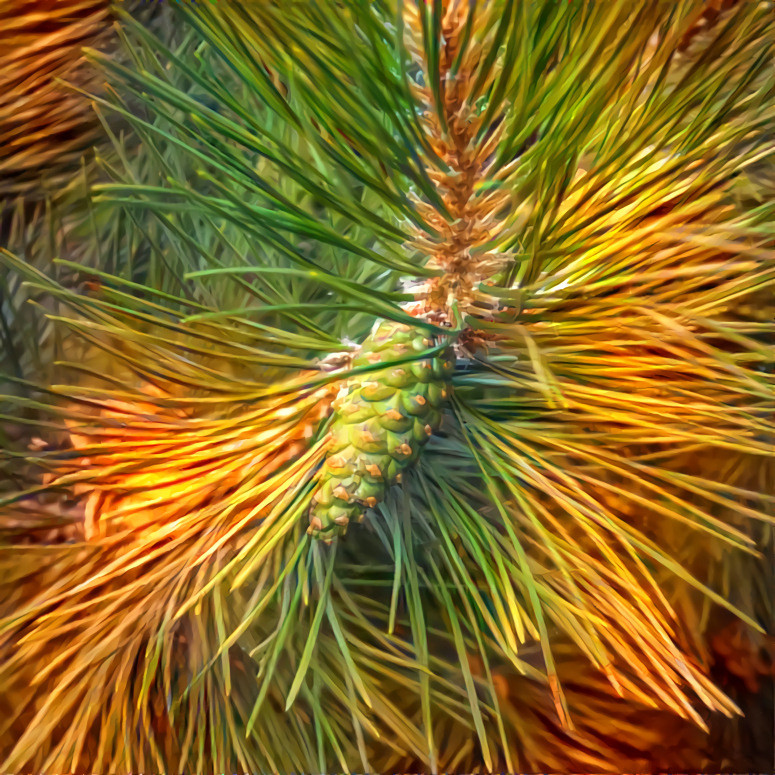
[{"x": 492, "y": 280}]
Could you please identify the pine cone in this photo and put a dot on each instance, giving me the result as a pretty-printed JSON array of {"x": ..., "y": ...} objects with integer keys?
[{"x": 383, "y": 418}]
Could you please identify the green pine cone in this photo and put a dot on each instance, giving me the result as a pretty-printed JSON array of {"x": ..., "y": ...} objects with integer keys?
[{"x": 379, "y": 426}]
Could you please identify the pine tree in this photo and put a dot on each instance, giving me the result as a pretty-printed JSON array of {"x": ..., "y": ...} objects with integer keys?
[{"x": 415, "y": 387}]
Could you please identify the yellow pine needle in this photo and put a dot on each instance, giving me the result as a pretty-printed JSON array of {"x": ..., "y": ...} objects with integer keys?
[
  {"x": 128, "y": 476},
  {"x": 44, "y": 125}
]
